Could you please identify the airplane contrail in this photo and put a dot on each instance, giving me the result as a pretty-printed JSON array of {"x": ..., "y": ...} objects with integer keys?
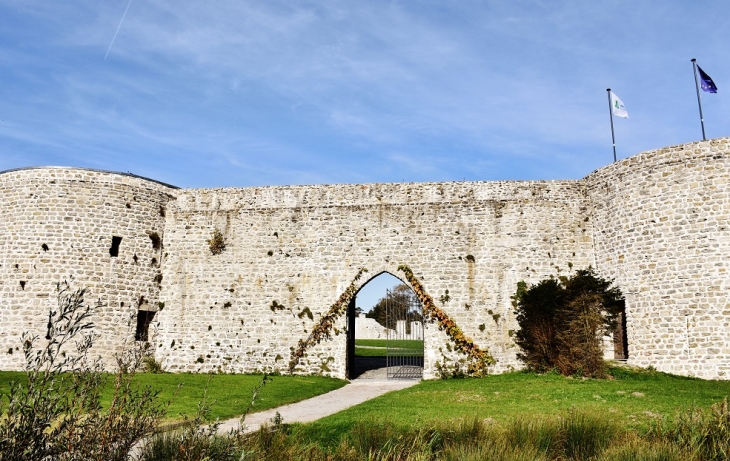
[{"x": 118, "y": 27}]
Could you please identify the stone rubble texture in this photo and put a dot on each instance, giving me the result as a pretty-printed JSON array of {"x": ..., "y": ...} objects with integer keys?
[{"x": 658, "y": 223}]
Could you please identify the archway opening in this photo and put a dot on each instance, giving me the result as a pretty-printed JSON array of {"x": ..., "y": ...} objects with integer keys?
[{"x": 385, "y": 331}]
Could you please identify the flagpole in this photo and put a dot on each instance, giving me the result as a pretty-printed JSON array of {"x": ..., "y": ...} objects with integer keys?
[
  {"x": 610, "y": 113},
  {"x": 699, "y": 101}
]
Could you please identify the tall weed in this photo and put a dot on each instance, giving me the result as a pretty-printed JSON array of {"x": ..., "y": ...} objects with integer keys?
[
  {"x": 703, "y": 434},
  {"x": 573, "y": 435},
  {"x": 56, "y": 412},
  {"x": 634, "y": 448}
]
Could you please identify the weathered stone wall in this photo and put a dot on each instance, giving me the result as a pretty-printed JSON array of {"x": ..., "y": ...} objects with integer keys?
[
  {"x": 662, "y": 230},
  {"x": 366, "y": 328},
  {"x": 57, "y": 224},
  {"x": 293, "y": 249},
  {"x": 659, "y": 223}
]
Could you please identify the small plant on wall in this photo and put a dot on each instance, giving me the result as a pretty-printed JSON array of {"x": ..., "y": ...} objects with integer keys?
[{"x": 216, "y": 242}]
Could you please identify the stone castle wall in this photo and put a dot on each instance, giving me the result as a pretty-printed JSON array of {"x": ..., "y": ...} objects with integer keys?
[
  {"x": 366, "y": 328},
  {"x": 300, "y": 247},
  {"x": 57, "y": 224},
  {"x": 662, "y": 221},
  {"x": 657, "y": 222}
]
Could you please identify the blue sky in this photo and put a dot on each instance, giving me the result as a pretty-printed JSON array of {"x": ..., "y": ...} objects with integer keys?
[
  {"x": 374, "y": 290},
  {"x": 238, "y": 93}
]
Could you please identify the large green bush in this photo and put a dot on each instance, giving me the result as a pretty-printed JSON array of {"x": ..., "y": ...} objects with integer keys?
[{"x": 563, "y": 320}]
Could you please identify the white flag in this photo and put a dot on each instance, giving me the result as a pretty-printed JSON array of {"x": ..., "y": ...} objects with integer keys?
[{"x": 617, "y": 106}]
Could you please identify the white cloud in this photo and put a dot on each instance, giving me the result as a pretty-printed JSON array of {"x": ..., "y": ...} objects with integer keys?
[{"x": 325, "y": 91}]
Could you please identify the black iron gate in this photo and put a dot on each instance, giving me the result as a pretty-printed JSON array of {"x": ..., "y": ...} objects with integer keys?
[{"x": 404, "y": 336}]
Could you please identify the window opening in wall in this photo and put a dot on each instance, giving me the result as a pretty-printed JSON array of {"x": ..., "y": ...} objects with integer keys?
[
  {"x": 50, "y": 325},
  {"x": 45, "y": 247},
  {"x": 114, "y": 250},
  {"x": 620, "y": 337},
  {"x": 22, "y": 285},
  {"x": 156, "y": 240},
  {"x": 144, "y": 318}
]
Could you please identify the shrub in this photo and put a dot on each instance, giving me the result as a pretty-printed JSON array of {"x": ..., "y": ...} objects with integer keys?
[
  {"x": 150, "y": 365},
  {"x": 562, "y": 322},
  {"x": 56, "y": 413},
  {"x": 537, "y": 309},
  {"x": 217, "y": 243}
]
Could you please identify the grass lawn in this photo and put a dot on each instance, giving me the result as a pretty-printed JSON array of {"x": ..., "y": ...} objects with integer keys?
[
  {"x": 364, "y": 352},
  {"x": 633, "y": 399},
  {"x": 377, "y": 347},
  {"x": 400, "y": 343},
  {"x": 229, "y": 395}
]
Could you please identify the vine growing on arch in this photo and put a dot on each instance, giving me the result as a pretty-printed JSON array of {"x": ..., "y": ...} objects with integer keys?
[
  {"x": 322, "y": 330},
  {"x": 478, "y": 360}
]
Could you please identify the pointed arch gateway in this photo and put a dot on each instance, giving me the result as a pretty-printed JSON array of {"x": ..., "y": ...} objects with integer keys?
[{"x": 390, "y": 343}]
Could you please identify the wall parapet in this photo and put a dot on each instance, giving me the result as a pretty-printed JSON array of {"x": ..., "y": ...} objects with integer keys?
[
  {"x": 127, "y": 174},
  {"x": 354, "y": 195}
]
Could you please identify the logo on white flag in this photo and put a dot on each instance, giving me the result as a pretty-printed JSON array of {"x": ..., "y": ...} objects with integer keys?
[{"x": 618, "y": 107}]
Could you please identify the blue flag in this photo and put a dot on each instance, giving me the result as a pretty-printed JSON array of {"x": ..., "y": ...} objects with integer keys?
[{"x": 707, "y": 84}]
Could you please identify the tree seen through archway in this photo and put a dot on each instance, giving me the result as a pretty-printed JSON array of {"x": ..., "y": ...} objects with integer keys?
[{"x": 402, "y": 302}]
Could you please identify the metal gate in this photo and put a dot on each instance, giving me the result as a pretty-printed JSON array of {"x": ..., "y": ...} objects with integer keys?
[{"x": 404, "y": 334}]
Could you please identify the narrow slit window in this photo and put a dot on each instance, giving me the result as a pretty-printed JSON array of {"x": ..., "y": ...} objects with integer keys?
[
  {"x": 144, "y": 318},
  {"x": 114, "y": 250}
]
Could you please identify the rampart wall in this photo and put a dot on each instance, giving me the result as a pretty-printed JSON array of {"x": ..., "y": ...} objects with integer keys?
[
  {"x": 57, "y": 224},
  {"x": 295, "y": 249},
  {"x": 662, "y": 221},
  {"x": 657, "y": 222}
]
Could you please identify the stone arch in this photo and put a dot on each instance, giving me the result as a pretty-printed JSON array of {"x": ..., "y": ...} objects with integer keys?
[
  {"x": 351, "y": 313},
  {"x": 380, "y": 271}
]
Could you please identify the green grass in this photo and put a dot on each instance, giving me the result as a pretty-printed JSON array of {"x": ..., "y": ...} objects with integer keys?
[
  {"x": 401, "y": 343},
  {"x": 229, "y": 395},
  {"x": 412, "y": 346},
  {"x": 362, "y": 352},
  {"x": 633, "y": 399},
  {"x": 529, "y": 416}
]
